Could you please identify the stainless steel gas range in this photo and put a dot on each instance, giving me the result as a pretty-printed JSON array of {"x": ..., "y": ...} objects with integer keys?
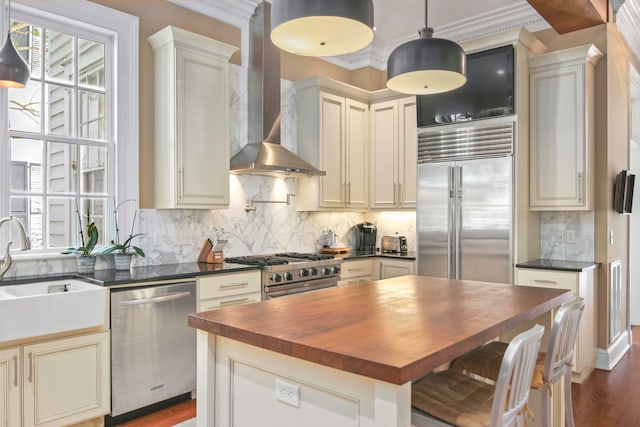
[{"x": 292, "y": 272}]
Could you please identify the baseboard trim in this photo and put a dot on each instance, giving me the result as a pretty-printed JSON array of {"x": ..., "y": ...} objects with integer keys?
[{"x": 608, "y": 358}]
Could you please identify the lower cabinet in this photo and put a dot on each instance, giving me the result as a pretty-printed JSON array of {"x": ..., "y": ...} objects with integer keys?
[
  {"x": 221, "y": 290},
  {"x": 355, "y": 271},
  {"x": 394, "y": 267},
  {"x": 55, "y": 383}
]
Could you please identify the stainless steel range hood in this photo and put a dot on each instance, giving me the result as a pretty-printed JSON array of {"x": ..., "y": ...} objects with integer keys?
[{"x": 264, "y": 155}]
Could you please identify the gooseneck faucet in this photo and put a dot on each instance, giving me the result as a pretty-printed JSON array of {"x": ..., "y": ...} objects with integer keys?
[{"x": 25, "y": 244}]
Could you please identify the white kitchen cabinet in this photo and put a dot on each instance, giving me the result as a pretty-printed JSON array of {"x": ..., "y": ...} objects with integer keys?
[
  {"x": 333, "y": 128},
  {"x": 57, "y": 382},
  {"x": 10, "y": 386},
  {"x": 388, "y": 268},
  {"x": 393, "y": 142},
  {"x": 562, "y": 171},
  {"x": 221, "y": 290},
  {"x": 356, "y": 271},
  {"x": 191, "y": 120},
  {"x": 582, "y": 283}
]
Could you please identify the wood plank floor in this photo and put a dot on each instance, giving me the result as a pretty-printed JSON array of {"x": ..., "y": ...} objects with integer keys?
[{"x": 605, "y": 399}]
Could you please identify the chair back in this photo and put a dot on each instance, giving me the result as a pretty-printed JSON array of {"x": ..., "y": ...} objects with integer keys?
[
  {"x": 514, "y": 379},
  {"x": 562, "y": 341}
]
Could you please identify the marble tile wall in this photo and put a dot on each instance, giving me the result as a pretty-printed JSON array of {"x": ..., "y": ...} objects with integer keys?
[{"x": 567, "y": 235}]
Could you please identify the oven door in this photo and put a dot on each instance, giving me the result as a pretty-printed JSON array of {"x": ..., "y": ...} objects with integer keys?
[{"x": 276, "y": 291}]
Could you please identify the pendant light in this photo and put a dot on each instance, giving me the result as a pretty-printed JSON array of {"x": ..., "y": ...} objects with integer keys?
[
  {"x": 322, "y": 27},
  {"x": 14, "y": 71},
  {"x": 427, "y": 65}
]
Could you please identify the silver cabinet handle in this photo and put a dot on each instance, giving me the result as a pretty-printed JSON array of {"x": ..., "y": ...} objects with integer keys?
[
  {"x": 234, "y": 301},
  {"x": 162, "y": 298},
  {"x": 234, "y": 285},
  {"x": 400, "y": 195},
  {"x": 553, "y": 282},
  {"x": 180, "y": 184},
  {"x": 15, "y": 371},
  {"x": 356, "y": 269},
  {"x": 349, "y": 192},
  {"x": 30, "y": 377},
  {"x": 580, "y": 186}
]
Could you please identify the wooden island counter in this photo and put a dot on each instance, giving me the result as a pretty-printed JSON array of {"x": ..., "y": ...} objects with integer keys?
[{"x": 347, "y": 356}]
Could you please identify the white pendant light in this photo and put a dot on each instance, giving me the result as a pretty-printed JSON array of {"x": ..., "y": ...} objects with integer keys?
[
  {"x": 14, "y": 71},
  {"x": 427, "y": 65},
  {"x": 322, "y": 27}
]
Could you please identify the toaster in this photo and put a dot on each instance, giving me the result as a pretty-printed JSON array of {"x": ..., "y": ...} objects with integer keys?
[{"x": 394, "y": 244}]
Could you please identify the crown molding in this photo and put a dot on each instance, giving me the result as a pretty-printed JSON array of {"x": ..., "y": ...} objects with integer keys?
[{"x": 232, "y": 12}]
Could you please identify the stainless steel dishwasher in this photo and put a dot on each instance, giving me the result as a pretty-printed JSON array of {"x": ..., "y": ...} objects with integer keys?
[{"x": 153, "y": 350}]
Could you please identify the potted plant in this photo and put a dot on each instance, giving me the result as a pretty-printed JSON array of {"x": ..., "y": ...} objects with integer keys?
[
  {"x": 86, "y": 257},
  {"x": 123, "y": 252}
]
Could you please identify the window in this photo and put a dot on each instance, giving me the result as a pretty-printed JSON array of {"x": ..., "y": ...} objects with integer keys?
[{"x": 72, "y": 132}]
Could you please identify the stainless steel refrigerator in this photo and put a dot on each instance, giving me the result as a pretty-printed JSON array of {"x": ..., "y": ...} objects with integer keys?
[{"x": 465, "y": 202}]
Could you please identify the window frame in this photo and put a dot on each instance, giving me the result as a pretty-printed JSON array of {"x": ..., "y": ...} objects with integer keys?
[{"x": 122, "y": 29}]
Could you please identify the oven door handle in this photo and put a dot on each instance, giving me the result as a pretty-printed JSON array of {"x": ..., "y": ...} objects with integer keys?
[{"x": 163, "y": 298}]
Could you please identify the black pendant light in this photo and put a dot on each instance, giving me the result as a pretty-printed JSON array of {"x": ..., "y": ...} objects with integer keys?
[
  {"x": 427, "y": 65},
  {"x": 322, "y": 27},
  {"x": 14, "y": 71}
]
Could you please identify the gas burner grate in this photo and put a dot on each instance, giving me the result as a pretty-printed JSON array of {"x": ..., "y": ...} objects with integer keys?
[
  {"x": 260, "y": 261},
  {"x": 307, "y": 256}
]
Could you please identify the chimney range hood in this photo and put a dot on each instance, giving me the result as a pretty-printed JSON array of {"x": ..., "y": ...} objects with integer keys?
[{"x": 264, "y": 155}]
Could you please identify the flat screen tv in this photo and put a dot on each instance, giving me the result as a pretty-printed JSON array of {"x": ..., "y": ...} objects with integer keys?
[
  {"x": 623, "y": 192},
  {"x": 488, "y": 91}
]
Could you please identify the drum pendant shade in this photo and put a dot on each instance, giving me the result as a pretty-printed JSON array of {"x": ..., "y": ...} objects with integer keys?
[
  {"x": 427, "y": 65},
  {"x": 322, "y": 27}
]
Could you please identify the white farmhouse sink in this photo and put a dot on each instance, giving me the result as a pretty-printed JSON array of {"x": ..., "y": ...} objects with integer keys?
[{"x": 42, "y": 308}]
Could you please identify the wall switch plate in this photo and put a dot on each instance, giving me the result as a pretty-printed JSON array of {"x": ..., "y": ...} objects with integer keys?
[
  {"x": 288, "y": 393},
  {"x": 571, "y": 236}
]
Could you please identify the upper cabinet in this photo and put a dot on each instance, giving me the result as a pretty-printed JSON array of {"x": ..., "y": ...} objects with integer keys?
[
  {"x": 562, "y": 129},
  {"x": 333, "y": 123},
  {"x": 191, "y": 120},
  {"x": 393, "y": 139}
]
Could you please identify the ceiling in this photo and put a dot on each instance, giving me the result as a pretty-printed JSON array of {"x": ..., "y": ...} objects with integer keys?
[{"x": 399, "y": 21}]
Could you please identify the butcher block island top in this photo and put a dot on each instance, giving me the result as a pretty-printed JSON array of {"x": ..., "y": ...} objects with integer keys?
[{"x": 393, "y": 330}]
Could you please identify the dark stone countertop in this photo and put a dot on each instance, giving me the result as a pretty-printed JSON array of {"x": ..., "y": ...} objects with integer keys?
[{"x": 557, "y": 264}]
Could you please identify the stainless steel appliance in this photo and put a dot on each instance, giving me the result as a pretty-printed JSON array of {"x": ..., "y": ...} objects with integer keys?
[
  {"x": 292, "y": 272},
  {"x": 153, "y": 350},
  {"x": 465, "y": 202},
  {"x": 366, "y": 235},
  {"x": 393, "y": 244}
]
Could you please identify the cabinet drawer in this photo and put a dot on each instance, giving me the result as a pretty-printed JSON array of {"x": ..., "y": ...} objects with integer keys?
[
  {"x": 214, "y": 303},
  {"x": 224, "y": 285},
  {"x": 356, "y": 268},
  {"x": 353, "y": 280},
  {"x": 548, "y": 279}
]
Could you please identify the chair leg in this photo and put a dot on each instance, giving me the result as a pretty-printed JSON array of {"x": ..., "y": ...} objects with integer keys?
[
  {"x": 546, "y": 405},
  {"x": 568, "y": 406}
]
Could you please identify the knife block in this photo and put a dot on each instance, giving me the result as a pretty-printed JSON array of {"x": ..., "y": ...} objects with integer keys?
[{"x": 208, "y": 255}]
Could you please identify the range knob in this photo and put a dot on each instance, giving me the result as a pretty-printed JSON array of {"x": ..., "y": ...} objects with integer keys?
[
  {"x": 336, "y": 270},
  {"x": 288, "y": 276},
  {"x": 326, "y": 271},
  {"x": 276, "y": 278},
  {"x": 313, "y": 271},
  {"x": 304, "y": 272}
]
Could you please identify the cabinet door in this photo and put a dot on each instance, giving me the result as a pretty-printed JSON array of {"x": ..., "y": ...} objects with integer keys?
[
  {"x": 202, "y": 138},
  {"x": 394, "y": 268},
  {"x": 408, "y": 156},
  {"x": 357, "y": 149},
  {"x": 558, "y": 140},
  {"x": 10, "y": 387},
  {"x": 384, "y": 154},
  {"x": 332, "y": 140},
  {"x": 66, "y": 381}
]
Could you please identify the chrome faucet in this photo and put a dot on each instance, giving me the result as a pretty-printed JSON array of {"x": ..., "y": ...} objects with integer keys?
[{"x": 25, "y": 244}]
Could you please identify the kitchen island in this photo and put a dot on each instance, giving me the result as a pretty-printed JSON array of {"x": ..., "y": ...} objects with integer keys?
[{"x": 347, "y": 356}]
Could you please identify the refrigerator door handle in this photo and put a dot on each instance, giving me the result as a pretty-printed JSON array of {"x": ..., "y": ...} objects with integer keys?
[
  {"x": 458, "y": 220},
  {"x": 451, "y": 256}
]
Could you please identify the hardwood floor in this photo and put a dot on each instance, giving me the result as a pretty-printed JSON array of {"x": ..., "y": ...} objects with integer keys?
[{"x": 605, "y": 399}]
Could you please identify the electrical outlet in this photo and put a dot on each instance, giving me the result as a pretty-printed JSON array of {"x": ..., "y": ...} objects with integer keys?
[
  {"x": 571, "y": 236},
  {"x": 288, "y": 393}
]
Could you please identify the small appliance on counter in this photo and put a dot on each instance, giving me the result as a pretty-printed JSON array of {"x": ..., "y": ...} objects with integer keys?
[
  {"x": 394, "y": 244},
  {"x": 366, "y": 235}
]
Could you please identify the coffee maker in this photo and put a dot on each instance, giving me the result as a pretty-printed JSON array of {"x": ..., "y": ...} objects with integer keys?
[{"x": 366, "y": 237}]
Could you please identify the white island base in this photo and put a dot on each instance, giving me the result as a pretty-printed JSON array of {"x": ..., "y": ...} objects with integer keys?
[{"x": 238, "y": 386}]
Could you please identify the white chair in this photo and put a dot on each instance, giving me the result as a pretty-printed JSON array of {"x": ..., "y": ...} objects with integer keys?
[
  {"x": 460, "y": 400},
  {"x": 552, "y": 366}
]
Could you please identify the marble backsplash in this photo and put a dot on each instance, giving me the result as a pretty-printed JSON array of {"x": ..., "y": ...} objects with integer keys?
[{"x": 567, "y": 236}]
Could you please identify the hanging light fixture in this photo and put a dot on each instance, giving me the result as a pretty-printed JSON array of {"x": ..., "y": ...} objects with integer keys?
[
  {"x": 427, "y": 65},
  {"x": 322, "y": 27},
  {"x": 14, "y": 71}
]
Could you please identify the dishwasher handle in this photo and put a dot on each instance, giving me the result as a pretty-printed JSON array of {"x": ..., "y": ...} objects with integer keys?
[{"x": 163, "y": 298}]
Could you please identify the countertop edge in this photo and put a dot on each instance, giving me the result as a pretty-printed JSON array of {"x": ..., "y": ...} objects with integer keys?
[{"x": 558, "y": 265}]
